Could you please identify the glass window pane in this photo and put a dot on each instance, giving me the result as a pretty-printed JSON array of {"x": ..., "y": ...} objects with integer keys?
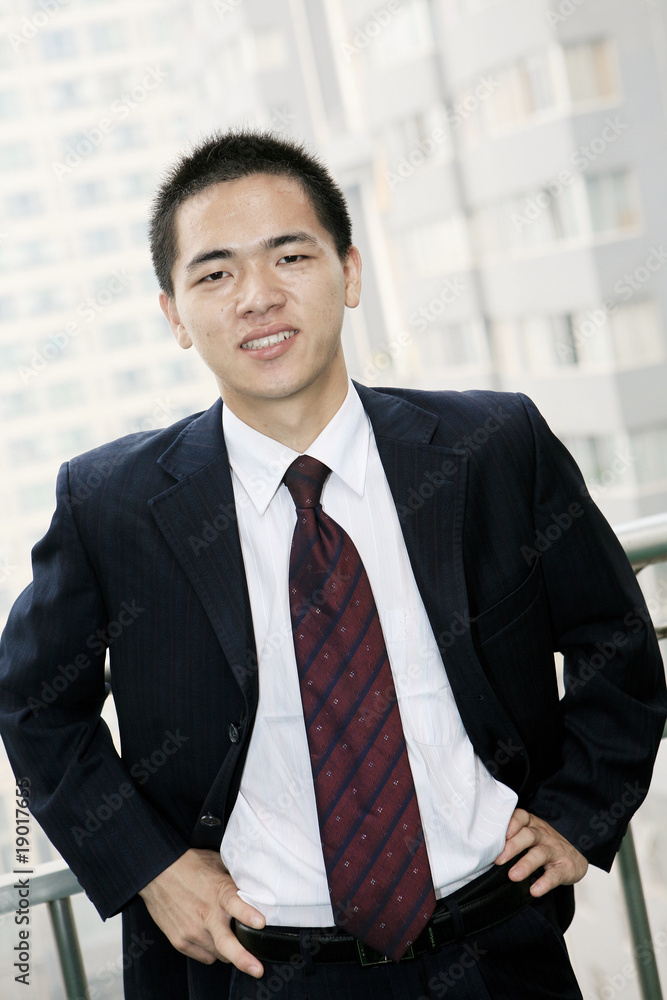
[{"x": 590, "y": 71}]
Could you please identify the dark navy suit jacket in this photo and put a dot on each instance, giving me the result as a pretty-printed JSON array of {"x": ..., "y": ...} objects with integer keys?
[{"x": 512, "y": 560}]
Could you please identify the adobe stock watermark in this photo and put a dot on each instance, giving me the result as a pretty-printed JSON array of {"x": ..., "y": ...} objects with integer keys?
[
  {"x": 646, "y": 950},
  {"x": 565, "y": 9},
  {"x": 460, "y": 112},
  {"x": 619, "y": 467},
  {"x": 281, "y": 120},
  {"x": 368, "y": 32},
  {"x": 435, "y": 479},
  {"x": 383, "y": 358},
  {"x": 635, "y": 621},
  {"x": 121, "y": 109},
  {"x": 97, "y": 642},
  {"x": 254, "y": 831},
  {"x": 31, "y": 26},
  {"x": 607, "y": 819},
  {"x": 225, "y": 7},
  {"x": 421, "y": 318},
  {"x": 161, "y": 412},
  {"x": 552, "y": 533},
  {"x": 581, "y": 159},
  {"x": 625, "y": 288},
  {"x": 87, "y": 310},
  {"x": 110, "y": 971},
  {"x": 141, "y": 772},
  {"x": 634, "y": 281}
]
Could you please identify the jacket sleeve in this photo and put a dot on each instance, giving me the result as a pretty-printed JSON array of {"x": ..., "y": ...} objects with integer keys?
[
  {"x": 51, "y": 695},
  {"x": 615, "y": 703}
]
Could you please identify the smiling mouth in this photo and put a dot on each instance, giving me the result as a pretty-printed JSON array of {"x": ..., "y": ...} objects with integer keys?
[{"x": 275, "y": 338}]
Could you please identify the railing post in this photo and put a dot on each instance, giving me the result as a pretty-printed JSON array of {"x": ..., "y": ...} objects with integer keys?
[
  {"x": 69, "y": 952},
  {"x": 647, "y": 968}
]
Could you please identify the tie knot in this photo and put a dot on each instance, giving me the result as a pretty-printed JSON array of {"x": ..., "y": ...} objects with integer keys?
[{"x": 305, "y": 479}]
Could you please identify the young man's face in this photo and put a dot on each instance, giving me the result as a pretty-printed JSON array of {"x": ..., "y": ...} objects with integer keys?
[{"x": 270, "y": 271}]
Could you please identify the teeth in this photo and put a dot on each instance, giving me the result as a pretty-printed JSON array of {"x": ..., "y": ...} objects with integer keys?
[{"x": 275, "y": 338}]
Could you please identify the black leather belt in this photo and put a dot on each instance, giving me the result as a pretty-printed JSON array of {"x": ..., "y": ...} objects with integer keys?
[{"x": 486, "y": 901}]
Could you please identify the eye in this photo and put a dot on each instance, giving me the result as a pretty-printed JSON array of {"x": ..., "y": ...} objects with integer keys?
[
  {"x": 215, "y": 276},
  {"x": 292, "y": 258}
]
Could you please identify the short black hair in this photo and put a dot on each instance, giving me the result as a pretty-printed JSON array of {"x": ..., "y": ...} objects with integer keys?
[{"x": 226, "y": 156}]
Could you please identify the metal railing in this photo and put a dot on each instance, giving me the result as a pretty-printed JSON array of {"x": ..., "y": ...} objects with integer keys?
[
  {"x": 54, "y": 883},
  {"x": 645, "y": 543}
]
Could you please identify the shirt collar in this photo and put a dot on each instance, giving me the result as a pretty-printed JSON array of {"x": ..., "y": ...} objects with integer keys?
[{"x": 260, "y": 462}]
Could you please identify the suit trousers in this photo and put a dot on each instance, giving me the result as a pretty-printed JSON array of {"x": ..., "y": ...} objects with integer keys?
[{"x": 524, "y": 958}]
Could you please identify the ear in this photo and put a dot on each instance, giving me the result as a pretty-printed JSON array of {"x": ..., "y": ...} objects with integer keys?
[
  {"x": 352, "y": 272},
  {"x": 168, "y": 307}
]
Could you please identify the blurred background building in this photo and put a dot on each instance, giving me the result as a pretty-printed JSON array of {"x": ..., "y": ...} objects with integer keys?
[{"x": 505, "y": 165}]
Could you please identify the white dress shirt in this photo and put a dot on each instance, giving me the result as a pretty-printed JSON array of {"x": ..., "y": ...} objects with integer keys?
[{"x": 271, "y": 845}]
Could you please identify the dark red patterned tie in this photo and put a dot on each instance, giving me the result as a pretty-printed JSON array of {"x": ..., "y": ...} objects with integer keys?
[{"x": 374, "y": 853}]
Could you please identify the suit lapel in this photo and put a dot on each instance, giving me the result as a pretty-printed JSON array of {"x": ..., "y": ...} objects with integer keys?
[
  {"x": 197, "y": 517},
  {"x": 429, "y": 482}
]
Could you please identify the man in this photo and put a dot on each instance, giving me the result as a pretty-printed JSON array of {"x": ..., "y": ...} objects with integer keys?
[{"x": 483, "y": 552}]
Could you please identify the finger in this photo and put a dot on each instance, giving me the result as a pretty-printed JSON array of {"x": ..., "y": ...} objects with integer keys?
[
  {"x": 519, "y": 819},
  {"x": 231, "y": 950},
  {"x": 236, "y": 907},
  {"x": 520, "y": 841},
  {"x": 199, "y": 954},
  {"x": 537, "y": 857}
]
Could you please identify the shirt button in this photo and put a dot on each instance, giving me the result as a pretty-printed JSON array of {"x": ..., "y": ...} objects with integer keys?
[
  {"x": 210, "y": 820},
  {"x": 233, "y": 733}
]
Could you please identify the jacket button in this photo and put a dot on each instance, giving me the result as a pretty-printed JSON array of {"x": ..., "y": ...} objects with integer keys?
[
  {"x": 233, "y": 733},
  {"x": 210, "y": 820}
]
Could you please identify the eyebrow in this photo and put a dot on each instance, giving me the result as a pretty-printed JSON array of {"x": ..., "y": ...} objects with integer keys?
[{"x": 272, "y": 243}]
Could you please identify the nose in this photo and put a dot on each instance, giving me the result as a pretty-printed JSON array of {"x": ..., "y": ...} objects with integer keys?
[{"x": 258, "y": 291}]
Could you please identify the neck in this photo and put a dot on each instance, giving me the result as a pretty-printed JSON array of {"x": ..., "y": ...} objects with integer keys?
[{"x": 294, "y": 421}]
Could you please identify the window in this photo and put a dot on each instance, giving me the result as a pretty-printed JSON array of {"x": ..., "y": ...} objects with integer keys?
[
  {"x": 594, "y": 456},
  {"x": 522, "y": 90},
  {"x": 59, "y": 44},
  {"x": 38, "y": 252},
  {"x": 649, "y": 447},
  {"x": 33, "y": 498},
  {"x": 613, "y": 201},
  {"x": 90, "y": 193},
  {"x": 637, "y": 333},
  {"x": 10, "y": 103},
  {"x": 23, "y": 204},
  {"x": 137, "y": 185},
  {"x": 552, "y": 343},
  {"x": 437, "y": 247},
  {"x": 66, "y": 94},
  {"x": 16, "y": 155},
  {"x": 540, "y": 217},
  {"x": 456, "y": 345},
  {"x": 421, "y": 138},
  {"x": 139, "y": 233},
  {"x": 110, "y": 86},
  {"x": 100, "y": 240},
  {"x": 127, "y": 136},
  {"x": 407, "y": 34},
  {"x": 43, "y": 300},
  {"x": 7, "y": 307},
  {"x": 116, "y": 336},
  {"x": 270, "y": 50},
  {"x": 66, "y": 394},
  {"x": 130, "y": 381},
  {"x": 106, "y": 36},
  {"x": 591, "y": 71}
]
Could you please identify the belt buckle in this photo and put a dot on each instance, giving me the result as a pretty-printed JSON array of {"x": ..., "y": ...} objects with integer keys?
[{"x": 369, "y": 956}]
